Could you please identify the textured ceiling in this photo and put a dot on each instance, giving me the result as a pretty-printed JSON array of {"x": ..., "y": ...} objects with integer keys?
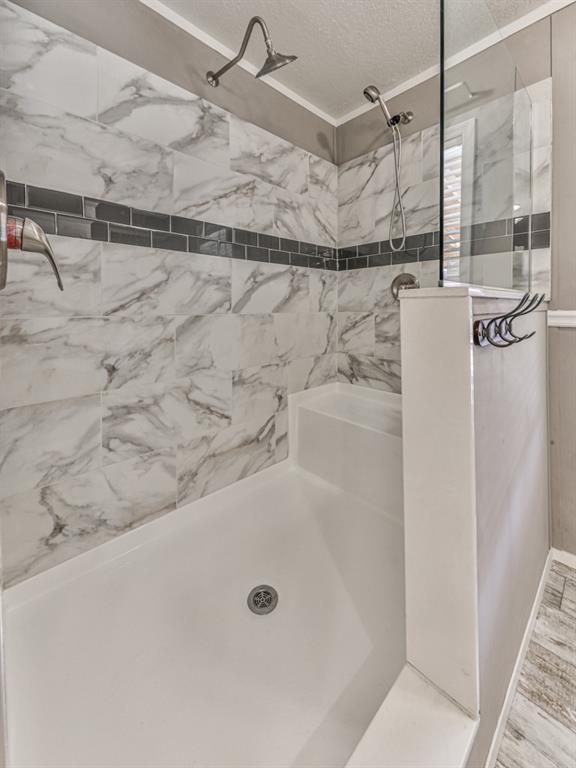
[{"x": 343, "y": 45}]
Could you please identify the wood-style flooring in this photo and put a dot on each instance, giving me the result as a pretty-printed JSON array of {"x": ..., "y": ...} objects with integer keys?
[{"x": 541, "y": 727}]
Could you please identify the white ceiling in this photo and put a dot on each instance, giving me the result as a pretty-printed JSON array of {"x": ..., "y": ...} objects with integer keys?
[{"x": 343, "y": 45}]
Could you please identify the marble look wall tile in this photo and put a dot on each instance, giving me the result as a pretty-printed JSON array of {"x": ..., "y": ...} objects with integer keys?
[
  {"x": 47, "y": 359},
  {"x": 541, "y": 96},
  {"x": 420, "y": 206},
  {"x": 301, "y": 218},
  {"x": 44, "y": 443},
  {"x": 141, "y": 103},
  {"x": 31, "y": 290},
  {"x": 521, "y": 184},
  {"x": 228, "y": 343},
  {"x": 137, "y": 351},
  {"x": 304, "y": 335},
  {"x": 136, "y": 424},
  {"x": 267, "y": 157},
  {"x": 323, "y": 180},
  {"x": 388, "y": 333},
  {"x": 522, "y": 122},
  {"x": 323, "y": 291},
  {"x": 542, "y": 179},
  {"x": 356, "y": 178},
  {"x": 411, "y": 170},
  {"x": 281, "y": 436},
  {"x": 494, "y": 122},
  {"x": 367, "y": 371},
  {"x": 47, "y": 147},
  {"x": 495, "y": 187},
  {"x": 200, "y": 403},
  {"x": 428, "y": 273},
  {"x": 258, "y": 393},
  {"x": 47, "y": 62},
  {"x": 431, "y": 153},
  {"x": 207, "y": 342},
  {"x": 258, "y": 344},
  {"x": 49, "y": 525},
  {"x": 367, "y": 290},
  {"x": 212, "y": 193},
  {"x": 262, "y": 288},
  {"x": 356, "y": 332},
  {"x": 308, "y": 372},
  {"x": 356, "y": 222},
  {"x": 541, "y": 271},
  {"x": 164, "y": 417},
  {"x": 143, "y": 281},
  {"x": 323, "y": 190},
  {"x": 218, "y": 459}
]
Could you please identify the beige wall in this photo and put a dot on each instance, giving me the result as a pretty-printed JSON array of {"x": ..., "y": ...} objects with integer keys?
[
  {"x": 564, "y": 158},
  {"x": 562, "y": 363}
]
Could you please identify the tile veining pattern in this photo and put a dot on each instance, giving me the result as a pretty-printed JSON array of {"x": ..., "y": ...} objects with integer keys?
[
  {"x": 541, "y": 726},
  {"x": 159, "y": 374},
  {"x": 97, "y": 125},
  {"x": 189, "y": 245},
  {"x": 510, "y": 159}
]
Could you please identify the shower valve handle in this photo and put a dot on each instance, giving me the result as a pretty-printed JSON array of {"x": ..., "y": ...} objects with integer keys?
[{"x": 27, "y": 235}]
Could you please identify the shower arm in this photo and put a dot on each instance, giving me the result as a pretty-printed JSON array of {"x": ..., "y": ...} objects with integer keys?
[{"x": 214, "y": 77}]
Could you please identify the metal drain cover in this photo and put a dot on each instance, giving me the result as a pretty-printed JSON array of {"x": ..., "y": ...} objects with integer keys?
[{"x": 262, "y": 599}]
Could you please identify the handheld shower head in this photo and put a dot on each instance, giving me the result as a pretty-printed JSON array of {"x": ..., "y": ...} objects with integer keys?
[{"x": 373, "y": 95}]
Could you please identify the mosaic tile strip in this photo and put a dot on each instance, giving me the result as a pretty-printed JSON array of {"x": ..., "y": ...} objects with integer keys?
[{"x": 86, "y": 217}]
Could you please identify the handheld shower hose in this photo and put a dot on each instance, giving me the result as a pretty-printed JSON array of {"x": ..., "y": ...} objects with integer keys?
[{"x": 373, "y": 95}]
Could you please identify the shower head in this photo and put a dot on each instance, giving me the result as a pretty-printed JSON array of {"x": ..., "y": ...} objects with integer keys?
[
  {"x": 372, "y": 94},
  {"x": 274, "y": 60}
]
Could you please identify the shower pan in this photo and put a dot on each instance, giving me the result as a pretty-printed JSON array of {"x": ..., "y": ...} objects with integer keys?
[{"x": 144, "y": 651}]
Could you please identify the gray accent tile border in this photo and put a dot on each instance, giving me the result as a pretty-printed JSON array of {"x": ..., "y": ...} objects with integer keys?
[{"x": 86, "y": 217}]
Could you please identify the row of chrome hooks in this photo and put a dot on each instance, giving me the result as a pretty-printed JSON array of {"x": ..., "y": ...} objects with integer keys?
[{"x": 499, "y": 331}]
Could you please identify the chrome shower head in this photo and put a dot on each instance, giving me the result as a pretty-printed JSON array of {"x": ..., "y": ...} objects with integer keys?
[{"x": 274, "y": 60}]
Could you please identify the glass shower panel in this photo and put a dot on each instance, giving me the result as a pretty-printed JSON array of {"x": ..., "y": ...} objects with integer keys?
[{"x": 486, "y": 185}]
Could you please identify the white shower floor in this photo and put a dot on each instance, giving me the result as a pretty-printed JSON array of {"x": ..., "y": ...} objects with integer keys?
[{"x": 143, "y": 653}]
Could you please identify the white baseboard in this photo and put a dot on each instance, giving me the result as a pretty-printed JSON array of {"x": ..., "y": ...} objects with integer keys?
[{"x": 499, "y": 732}]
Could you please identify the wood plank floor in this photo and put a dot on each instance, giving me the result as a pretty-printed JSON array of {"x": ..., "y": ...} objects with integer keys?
[{"x": 541, "y": 727}]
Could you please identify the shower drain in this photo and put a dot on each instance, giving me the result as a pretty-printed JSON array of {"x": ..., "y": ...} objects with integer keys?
[{"x": 262, "y": 599}]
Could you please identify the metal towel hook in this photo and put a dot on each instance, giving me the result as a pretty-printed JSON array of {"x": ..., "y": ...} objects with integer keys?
[{"x": 498, "y": 331}]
